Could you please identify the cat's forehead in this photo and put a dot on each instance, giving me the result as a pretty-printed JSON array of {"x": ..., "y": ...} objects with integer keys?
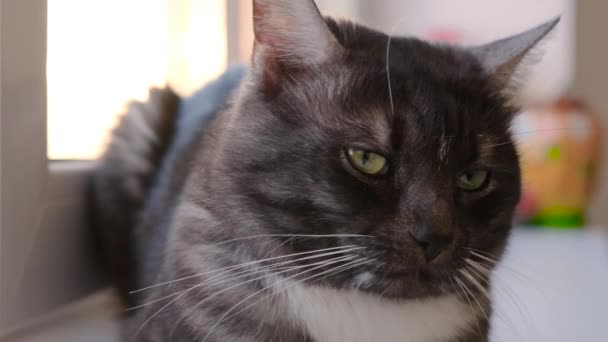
[{"x": 366, "y": 100}]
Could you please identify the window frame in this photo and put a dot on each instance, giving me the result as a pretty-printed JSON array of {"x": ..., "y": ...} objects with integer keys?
[{"x": 45, "y": 259}]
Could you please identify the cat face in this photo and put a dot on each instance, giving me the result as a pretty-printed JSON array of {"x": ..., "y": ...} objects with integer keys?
[{"x": 395, "y": 150}]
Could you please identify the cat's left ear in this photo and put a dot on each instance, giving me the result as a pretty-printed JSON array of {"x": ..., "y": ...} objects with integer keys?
[
  {"x": 289, "y": 34},
  {"x": 502, "y": 59}
]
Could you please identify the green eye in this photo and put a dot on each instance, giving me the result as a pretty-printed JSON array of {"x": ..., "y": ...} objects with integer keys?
[
  {"x": 368, "y": 162},
  {"x": 472, "y": 180}
]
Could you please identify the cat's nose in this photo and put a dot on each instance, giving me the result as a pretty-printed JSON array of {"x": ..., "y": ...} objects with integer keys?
[{"x": 431, "y": 243}]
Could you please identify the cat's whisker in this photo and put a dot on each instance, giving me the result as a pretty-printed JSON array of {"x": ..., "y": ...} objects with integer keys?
[
  {"x": 478, "y": 275},
  {"x": 217, "y": 293},
  {"x": 522, "y": 277},
  {"x": 311, "y": 236},
  {"x": 491, "y": 256},
  {"x": 515, "y": 134},
  {"x": 543, "y": 130},
  {"x": 335, "y": 250},
  {"x": 316, "y": 265},
  {"x": 269, "y": 253},
  {"x": 132, "y": 308},
  {"x": 466, "y": 296},
  {"x": 163, "y": 308},
  {"x": 388, "y": 68},
  {"x": 495, "y": 260},
  {"x": 213, "y": 281},
  {"x": 388, "y": 72},
  {"x": 485, "y": 272},
  {"x": 503, "y": 287},
  {"x": 325, "y": 274},
  {"x": 471, "y": 278},
  {"x": 238, "y": 275},
  {"x": 465, "y": 273},
  {"x": 185, "y": 292},
  {"x": 498, "y": 314},
  {"x": 358, "y": 262},
  {"x": 268, "y": 272},
  {"x": 466, "y": 288},
  {"x": 499, "y": 144}
]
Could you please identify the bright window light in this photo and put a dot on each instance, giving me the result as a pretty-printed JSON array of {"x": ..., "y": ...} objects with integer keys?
[{"x": 103, "y": 53}]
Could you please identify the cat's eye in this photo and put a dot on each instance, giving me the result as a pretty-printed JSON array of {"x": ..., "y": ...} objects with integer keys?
[
  {"x": 367, "y": 162},
  {"x": 473, "y": 180}
]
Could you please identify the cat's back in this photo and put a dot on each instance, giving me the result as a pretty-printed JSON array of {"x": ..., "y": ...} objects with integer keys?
[{"x": 140, "y": 176}]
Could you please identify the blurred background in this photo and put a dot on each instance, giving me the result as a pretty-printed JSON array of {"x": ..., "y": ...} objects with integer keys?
[{"x": 99, "y": 54}]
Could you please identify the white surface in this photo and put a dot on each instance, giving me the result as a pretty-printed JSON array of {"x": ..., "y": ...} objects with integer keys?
[
  {"x": 551, "y": 286},
  {"x": 95, "y": 319}
]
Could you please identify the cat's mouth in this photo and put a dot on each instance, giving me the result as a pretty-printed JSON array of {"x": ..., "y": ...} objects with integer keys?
[{"x": 421, "y": 281}]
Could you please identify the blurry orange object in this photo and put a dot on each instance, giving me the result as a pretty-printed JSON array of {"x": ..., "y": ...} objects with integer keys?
[{"x": 559, "y": 150}]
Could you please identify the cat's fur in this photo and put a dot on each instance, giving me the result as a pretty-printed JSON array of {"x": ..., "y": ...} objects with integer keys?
[{"x": 223, "y": 183}]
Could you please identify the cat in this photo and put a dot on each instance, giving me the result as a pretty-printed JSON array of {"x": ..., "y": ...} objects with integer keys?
[{"x": 345, "y": 186}]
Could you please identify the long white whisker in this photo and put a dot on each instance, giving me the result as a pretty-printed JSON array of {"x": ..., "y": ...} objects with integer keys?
[
  {"x": 219, "y": 243},
  {"x": 475, "y": 283},
  {"x": 497, "y": 313},
  {"x": 269, "y": 253},
  {"x": 207, "y": 298},
  {"x": 318, "y": 264},
  {"x": 466, "y": 296},
  {"x": 522, "y": 277},
  {"x": 214, "y": 281},
  {"x": 265, "y": 289},
  {"x": 480, "y": 273},
  {"x": 325, "y": 274},
  {"x": 229, "y": 268},
  {"x": 483, "y": 255},
  {"x": 388, "y": 66},
  {"x": 483, "y": 311},
  {"x": 509, "y": 294},
  {"x": 388, "y": 74},
  {"x": 478, "y": 269}
]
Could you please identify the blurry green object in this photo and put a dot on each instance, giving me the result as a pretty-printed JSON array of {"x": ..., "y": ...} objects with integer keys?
[
  {"x": 554, "y": 153},
  {"x": 559, "y": 149},
  {"x": 559, "y": 217}
]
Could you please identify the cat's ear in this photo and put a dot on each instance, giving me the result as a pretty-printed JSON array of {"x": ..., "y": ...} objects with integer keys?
[
  {"x": 289, "y": 34},
  {"x": 503, "y": 58}
]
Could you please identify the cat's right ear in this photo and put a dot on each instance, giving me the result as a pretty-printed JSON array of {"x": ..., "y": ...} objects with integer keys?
[
  {"x": 503, "y": 59},
  {"x": 290, "y": 35}
]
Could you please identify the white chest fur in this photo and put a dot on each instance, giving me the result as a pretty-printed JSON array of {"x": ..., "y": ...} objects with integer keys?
[{"x": 352, "y": 316}]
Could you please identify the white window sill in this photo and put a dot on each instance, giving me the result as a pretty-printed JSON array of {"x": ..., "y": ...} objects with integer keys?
[{"x": 94, "y": 319}]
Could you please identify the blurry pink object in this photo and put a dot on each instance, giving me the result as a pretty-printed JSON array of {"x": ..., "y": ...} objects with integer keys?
[
  {"x": 527, "y": 206},
  {"x": 444, "y": 35}
]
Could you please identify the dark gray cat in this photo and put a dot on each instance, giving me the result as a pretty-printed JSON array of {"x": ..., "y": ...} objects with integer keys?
[{"x": 345, "y": 187}]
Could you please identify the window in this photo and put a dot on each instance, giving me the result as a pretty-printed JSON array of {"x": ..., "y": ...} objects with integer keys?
[{"x": 120, "y": 49}]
